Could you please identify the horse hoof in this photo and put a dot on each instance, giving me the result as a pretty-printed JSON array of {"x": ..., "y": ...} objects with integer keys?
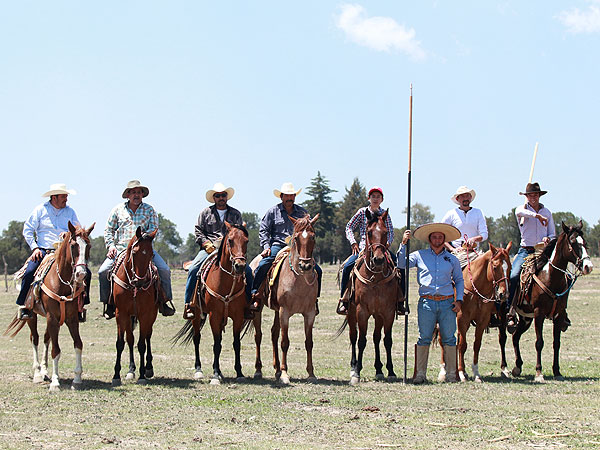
[
  {"x": 37, "y": 379},
  {"x": 353, "y": 373},
  {"x": 76, "y": 386},
  {"x": 115, "y": 382},
  {"x": 142, "y": 382},
  {"x": 559, "y": 378},
  {"x": 463, "y": 376},
  {"x": 312, "y": 379},
  {"x": 54, "y": 387},
  {"x": 149, "y": 373},
  {"x": 130, "y": 376},
  {"x": 478, "y": 379},
  {"x": 516, "y": 371},
  {"x": 284, "y": 379},
  {"x": 277, "y": 375},
  {"x": 539, "y": 378},
  {"x": 258, "y": 375},
  {"x": 198, "y": 375},
  {"x": 442, "y": 376},
  {"x": 215, "y": 381},
  {"x": 354, "y": 381},
  {"x": 505, "y": 373},
  {"x": 379, "y": 376}
]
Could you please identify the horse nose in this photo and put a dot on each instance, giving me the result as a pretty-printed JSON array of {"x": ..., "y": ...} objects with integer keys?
[
  {"x": 306, "y": 266},
  {"x": 239, "y": 266},
  {"x": 587, "y": 267}
]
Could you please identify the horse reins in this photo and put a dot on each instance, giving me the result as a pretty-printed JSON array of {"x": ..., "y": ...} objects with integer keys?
[
  {"x": 495, "y": 282},
  {"x": 305, "y": 260}
]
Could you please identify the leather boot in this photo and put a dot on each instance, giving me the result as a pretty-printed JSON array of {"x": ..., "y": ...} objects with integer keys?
[
  {"x": 24, "y": 313},
  {"x": 421, "y": 364},
  {"x": 450, "y": 361},
  {"x": 109, "y": 311},
  {"x": 166, "y": 309}
]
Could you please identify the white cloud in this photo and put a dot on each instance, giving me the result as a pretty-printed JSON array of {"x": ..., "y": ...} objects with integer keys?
[
  {"x": 383, "y": 34},
  {"x": 578, "y": 21}
]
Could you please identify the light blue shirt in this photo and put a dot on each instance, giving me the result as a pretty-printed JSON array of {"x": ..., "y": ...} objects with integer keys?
[
  {"x": 45, "y": 224},
  {"x": 435, "y": 272}
]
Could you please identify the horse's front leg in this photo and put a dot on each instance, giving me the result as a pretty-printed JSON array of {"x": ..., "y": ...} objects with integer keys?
[
  {"x": 34, "y": 338},
  {"x": 257, "y": 341},
  {"x": 556, "y": 332},
  {"x": 44, "y": 363},
  {"x": 376, "y": 341},
  {"x": 309, "y": 320},
  {"x": 275, "y": 329},
  {"x": 481, "y": 326},
  {"x": 129, "y": 336},
  {"x": 238, "y": 323},
  {"x": 504, "y": 372},
  {"x": 363, "y": 322},
  {"x": 539, "y": 345},
  {"x": 149, "y": 373},
  {"x": 53, "y": 329},
  {"x": 463, "y": 324},
  {"x": 284, "y": 320},
  {"x": 216, "y": 327},
  {"x": 522, "y": 325},
  {"x": 197, "y": 323},
  {"x": 73, "y": 326},
  {"x": 120, "y": 345},
  {"x": 353, "y": 334}
]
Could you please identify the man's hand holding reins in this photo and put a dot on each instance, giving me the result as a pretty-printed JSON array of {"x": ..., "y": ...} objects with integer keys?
[
  {"x": 355, "y": 249},
  {"x": 266, "y": 252},
  {"x": 112, "y": 252},
  {"x": 36, "y": 255}
]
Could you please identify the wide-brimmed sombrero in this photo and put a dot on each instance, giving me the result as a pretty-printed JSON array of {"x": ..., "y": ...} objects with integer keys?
[
  {"x": 58, "y": 189},
  {"x": 450, "y": 233},
  {"x": 219, "y": 187},
  {"x": 286, "y": 188}
]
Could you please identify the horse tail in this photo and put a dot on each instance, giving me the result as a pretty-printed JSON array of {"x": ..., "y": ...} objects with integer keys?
[
  {"x": 435, "y": 337},
  {"x": 248, "y": 327},
  {"x": 186, "y": 334},
  {"x": 341, "y": 329},
  {"x": 14, "y": 326}
]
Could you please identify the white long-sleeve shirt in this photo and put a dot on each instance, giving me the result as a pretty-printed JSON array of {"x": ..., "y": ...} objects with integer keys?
[
  {"x": 45, "y": 224},
  {"x": 471, "y": 222}
]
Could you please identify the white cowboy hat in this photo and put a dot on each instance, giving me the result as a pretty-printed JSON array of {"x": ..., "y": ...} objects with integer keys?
[
  {"x": 463, "y": 190},
  {"x": 219, "y": 187},
  {"x": 450, "y": 233},
  {"x": 135, "y": 184},
  {"x": 58, "y": 189},
  {"x": 286, "y": 188}
]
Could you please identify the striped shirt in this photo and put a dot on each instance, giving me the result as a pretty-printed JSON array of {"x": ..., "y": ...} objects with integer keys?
[
  {"x": 360, "y": 220},
  {"x": 122, "y": 223}
]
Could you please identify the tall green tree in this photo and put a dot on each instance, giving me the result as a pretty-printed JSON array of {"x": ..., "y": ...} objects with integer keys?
[
  {"x": 13, "y": 247},
  {"x": 97, "y": 251},
  {"x": 168, "y": 241},
  {"x": 252, "y": 225},
  {"x": 354, "y": 199},
  {"x": 189, "y": 249},
  {"x": 503, "y": 230},
  {"x": 420, "y": 214}
]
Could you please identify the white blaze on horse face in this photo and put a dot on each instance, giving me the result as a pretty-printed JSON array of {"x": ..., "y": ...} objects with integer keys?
[
  {"x": 587, "y": 262},
  {"x": 81, "y": 263},
  {"x": 377, "y": 228},
  {"x": 304, "y": 234}
]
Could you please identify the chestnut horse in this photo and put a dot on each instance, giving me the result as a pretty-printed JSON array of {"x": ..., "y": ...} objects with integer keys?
[
  {"x": 224, "y": 297},
  {"x": 134, "y": 293},
  {"x": 61, "y": 300},
  {"x": 376, "y": 292},
  {"x": 294, "y": 292},
  {"x": 486, "y": 282},
  {"x": 549, "y": 293}
]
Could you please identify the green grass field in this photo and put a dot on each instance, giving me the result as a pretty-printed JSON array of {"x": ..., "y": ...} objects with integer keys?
[{"x": 175, "y": 411}]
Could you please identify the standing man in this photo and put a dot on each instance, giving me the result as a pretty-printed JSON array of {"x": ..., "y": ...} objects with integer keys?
[
  {"x": 42, "y": 230},
  {"x": 438, "y": 274},
  {"x": 120, "y": 228},
  {"x": 210, "y": 229},
  {"x": 359, "y": 220},
  {"x": 469, "y": 221},
  {"x": 275, "y": 227},
  {"x": 537, "y": 226}
]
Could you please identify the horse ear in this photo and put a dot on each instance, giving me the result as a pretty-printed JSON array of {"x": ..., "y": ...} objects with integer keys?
[
  {"x": 564, "y": 226},
  {"x": 493, "y": 249},
  {"x": 151, "y": 235},
  {"x": 580, "y": 225},
  {"x": 314, "y": 219},
  {"x": 89, "y": 230},
  {"x": 71, "y": 228},
  {"x": 509, "y": 246},
  {"x": 138, "y": 232},
  {"x": 368, "y": 214},
  {"x": 293, "y": 220},
  {"x": 385, "y": 214}
]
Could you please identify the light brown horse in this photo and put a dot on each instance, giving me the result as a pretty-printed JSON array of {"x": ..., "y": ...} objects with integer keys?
[
  {"x": 294, "y": 292},
  {"x": 61, "y": 300},
  {"x": 376, "y": 292},
  {"x": 224, "y": 297},
  {"x": 486, "y": 282},
  {"x": 135, "y": 294}
]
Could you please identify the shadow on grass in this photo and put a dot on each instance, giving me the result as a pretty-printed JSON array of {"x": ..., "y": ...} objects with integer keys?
[{"x": 529, "y": 379}]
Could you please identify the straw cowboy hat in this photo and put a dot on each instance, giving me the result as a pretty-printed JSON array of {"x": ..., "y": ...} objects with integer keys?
[
  {"x": 219, "y": 187},
  {"x": 463, "y": 190},
  {"x": 450, "y": 233},
  {"x": 532, "y": 188},
  {"x": 286, "y": 188},
  {"x": 58, "y": 189},
  {"x": 135, "y": 184}
]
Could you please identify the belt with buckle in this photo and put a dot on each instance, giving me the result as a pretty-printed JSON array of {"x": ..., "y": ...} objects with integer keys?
[{"x": 437, "y": 298}]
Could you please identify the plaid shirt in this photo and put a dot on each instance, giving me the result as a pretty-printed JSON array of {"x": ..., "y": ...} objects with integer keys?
[
  {"x": 360, "y": 220},
  {"x": 122, "y": 223}
]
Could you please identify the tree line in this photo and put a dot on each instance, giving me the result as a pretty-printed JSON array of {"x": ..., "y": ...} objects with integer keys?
[{"x": 331, "y": 244}]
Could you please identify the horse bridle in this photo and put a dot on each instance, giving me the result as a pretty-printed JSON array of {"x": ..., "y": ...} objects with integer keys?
[
  {"x": 136, "y": 281},
  {"x": 310, "y": 260},
  {"x": 74, "y": 265},
  {"x": 233, "y": 258},
  {"x": 495, "y": 282}
]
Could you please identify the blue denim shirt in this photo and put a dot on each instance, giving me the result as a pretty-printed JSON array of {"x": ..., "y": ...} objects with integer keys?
[
  {"x": 276, "y": 225},
  {"x": 435, "y": 273}
]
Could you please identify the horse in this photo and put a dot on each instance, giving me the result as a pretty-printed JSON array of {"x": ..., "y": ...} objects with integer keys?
[
  {"x": 376, "y": 291},
  {"x": 486, "y": 282},
  {"x": 293, "y": 292},
  {"x": 61, "y": 296},
  {"x": 224, "y": 297},
  {"x": 135, "y": 295},
  {"x": 549, "y": 292}
]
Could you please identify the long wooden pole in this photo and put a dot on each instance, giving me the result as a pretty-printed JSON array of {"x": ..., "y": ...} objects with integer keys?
[
  {"x": 406, "y": 270},
  {"x": 531, "y": 173}
]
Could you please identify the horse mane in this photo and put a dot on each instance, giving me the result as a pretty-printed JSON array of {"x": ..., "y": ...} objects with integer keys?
[
  {"x": 546, "y": 254},
  {"x": 242, "y": 228},
  {"x": 303, "y": 224}
]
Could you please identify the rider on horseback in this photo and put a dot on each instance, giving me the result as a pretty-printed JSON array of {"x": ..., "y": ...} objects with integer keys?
[
  {"x": 122, "y": 223},
  {"x": 42, "y": 230},
  {"x": 359, "y": 220}
]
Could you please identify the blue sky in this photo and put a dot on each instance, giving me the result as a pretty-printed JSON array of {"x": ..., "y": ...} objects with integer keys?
[{"x": 183, "y": 94}]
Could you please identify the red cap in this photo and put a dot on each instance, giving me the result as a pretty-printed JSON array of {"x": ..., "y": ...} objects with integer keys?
[{"x": 375, "y": 189}]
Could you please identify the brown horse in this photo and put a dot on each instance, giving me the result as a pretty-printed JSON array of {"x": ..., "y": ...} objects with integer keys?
[
  {"x": 294, "y": 292},
  {"x": 549, "y": 293},
  {"x": 135, "y": 294},
  {"x": 224, "y": 297},
  {"x": 486, "y": 282},
  {"x": 61, "y": 300},
  {"x": 376, "y": 293}
]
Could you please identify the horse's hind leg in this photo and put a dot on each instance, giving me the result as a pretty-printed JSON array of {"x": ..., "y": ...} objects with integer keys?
[
  {"x": 215, "y": 325},
  {"x": 504, "y": 372},
  {"x": 353, "y": 334},
  {"x": 387, "y": 342},
  {"x": 34, "y": 337},
  {"x": 120, "y": 345},
  {"x": 556, "y": 331},
  {"x": 481, "y": 326},
  {"x": 237, "y": 347},
  {"x": 376, "y": 342},
  {"x": 463, "y": 327},
  {"x": 284, "y": 319},
  {"x": 44, "y": 362},
  {"x": 149, "y": 373},
  {"x": 309, "y": 320},
  {"x": 197, "y": 322},
  {"x": 363, "y": 322},
  {"x": 73, "y": 326},
  {"x": 257, "y": 342},
  {"x": 539, "y": 345},
  {"x": 144, "y": 349},
  {"x": 275, "y": 329}
]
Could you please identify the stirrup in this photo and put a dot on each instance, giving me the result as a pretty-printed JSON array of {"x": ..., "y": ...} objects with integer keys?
[
  {"x": 82, "y": 316},
  {"x": 342, "y": 308},
  {"x": 24, "y": 313},
  {"x": 494, "y": 322},
  {"x": 188, "y": 312},
  {"x": 511, "y": 324},
  {"x": 166, "y": 309},
  {"x": 109, "y": 311}
]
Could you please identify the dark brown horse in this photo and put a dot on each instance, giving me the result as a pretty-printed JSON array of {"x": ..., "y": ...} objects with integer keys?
[
  {"x": 549, "y": 293},
  {"x": 376, "y": 291},
  {"x": 294, "y": 292},
  {"x": 486, "y": 282},
  {"x": 61, "y": 300},
  {"x": 135, "y": 295},
  {"x": 224, "y": 297}
]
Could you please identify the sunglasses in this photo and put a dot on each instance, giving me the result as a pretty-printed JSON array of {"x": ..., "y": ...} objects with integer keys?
[{"x": 222, "y": 195}]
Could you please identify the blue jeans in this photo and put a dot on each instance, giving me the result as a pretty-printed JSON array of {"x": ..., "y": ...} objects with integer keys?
[
  {"x": 163, "y": 271},
  {"x": 430, "y": 312},
  {"x": 515, "y": 273},
  {"x": 265, "y": 264}
]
